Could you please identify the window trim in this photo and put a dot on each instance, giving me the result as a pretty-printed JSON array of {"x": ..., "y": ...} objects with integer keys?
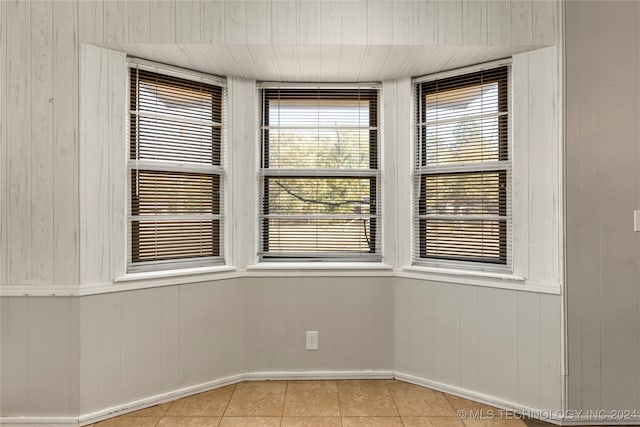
[
  {"x": 302, "y": 258},
  {"x": 451, "y": 266},
  {"x": 176, "y": 266}
]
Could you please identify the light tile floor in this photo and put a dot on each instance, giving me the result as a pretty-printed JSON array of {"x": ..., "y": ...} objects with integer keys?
[{"x": 345, "y": 403}]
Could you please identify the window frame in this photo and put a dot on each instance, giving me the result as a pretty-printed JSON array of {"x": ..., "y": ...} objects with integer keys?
[
  {"x": 371, "y": 173},
  {"x": 420, "y": 171},
  {"x": 179, "y": 167}
]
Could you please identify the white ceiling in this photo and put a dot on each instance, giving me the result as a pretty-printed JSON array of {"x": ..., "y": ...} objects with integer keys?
[{"x": 315, "y": 63}]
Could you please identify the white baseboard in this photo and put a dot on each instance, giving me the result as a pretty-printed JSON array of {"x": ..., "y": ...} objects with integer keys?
[
  {"x": 554, "y": 416},
  {"x": 43, "y": 421},
  {"x": 318, "y": 375},
  {"x": 557, "y": 417},
  {"x": 136, "y": 405}
]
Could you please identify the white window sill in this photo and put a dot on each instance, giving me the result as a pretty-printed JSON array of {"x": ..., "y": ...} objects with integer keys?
[
  {"x": 154, "y": 279},
  {"x": 477, "y": 278},
  {"x": 319, "y": 269}
]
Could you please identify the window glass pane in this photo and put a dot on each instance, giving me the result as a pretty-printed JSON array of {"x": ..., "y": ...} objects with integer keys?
[
  {"x": 176, "y": 198},
  {"x": 479, "y": 193},
  {"x": 164, "y": 240},
  {"x": 462, "y": 173},
  {"x": 311, "y": 207},
  {"x": 291, "y": 237},
  {"x": 471, "y": 240},
  {"x": 463, "y": 126},
  {"x": 170, "y": 193},
  {"x": 319, "y": 195}
]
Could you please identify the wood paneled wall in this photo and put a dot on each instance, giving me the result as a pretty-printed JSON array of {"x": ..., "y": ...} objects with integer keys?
[
  {"x": 603, "y": 190},
  {"x": 40, "y": 232}
]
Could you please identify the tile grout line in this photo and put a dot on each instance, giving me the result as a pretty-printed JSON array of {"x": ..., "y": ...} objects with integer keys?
[
  {"x": 286, "y": 390},
  {"x": 386, "y": 383},
  {"x": 339, "y": 405},
  {"x": 235, "y": 387}
]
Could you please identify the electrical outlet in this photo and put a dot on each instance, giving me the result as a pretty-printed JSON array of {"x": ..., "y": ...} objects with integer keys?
[
  {"x": 312, "y": 340},
  {"x": 636, "y": 220}
]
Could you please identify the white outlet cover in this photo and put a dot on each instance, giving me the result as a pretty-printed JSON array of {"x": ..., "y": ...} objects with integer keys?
[
  {"x": 312, "y": 340},
  {"x": 636, "y": 220}
]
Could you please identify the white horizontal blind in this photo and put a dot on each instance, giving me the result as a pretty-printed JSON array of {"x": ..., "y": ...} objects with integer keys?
[
  {"x": 176, "y": 170},
  {"x": 319, "y": 173},
  {"x": 462, "y": 172}
]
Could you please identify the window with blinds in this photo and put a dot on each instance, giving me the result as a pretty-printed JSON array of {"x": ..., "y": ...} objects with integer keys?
[
  {"x": 462, "y": 174},
  {"x": 176, "y": 169},
  {"x": 319, "y": 173}
]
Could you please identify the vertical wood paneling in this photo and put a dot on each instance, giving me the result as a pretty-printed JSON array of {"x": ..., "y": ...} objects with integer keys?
[
  {"x": 49, "y": 372},
  {"x": 390, "y": 116},
  {"x": 402, "y": 325},
  {"x": 242, "y": 152},
  {"x": 319, "y": 314},
  {"x": 498, "y": 342},
  {"x": 377, "y": 353},
  {"x": 422, "y": 310},
  {"x": 41, "y": 167},
  {"x": 91, "y": 21},
  {"x": 213, "y": 22},
  {"x": 354, "y": 22},
  {"x": 530, "y": 349},
  {"x": 162, "y": 21},
  {"x": 309, "y": 23},
  {"x": 170, "y": 344},
  {"x": 94, "y": 164},
  {"x": 447, "y": 332},
  {"x": 258, "y": 22},
  {"x": 520, "y": 151},
  {"x": 4, "y": 202},
  {"x": 498, "y": 22},
  {"x": 195, "y": 323},
  {"x": 349, "y": 309},
  {"x": 379, "y": 26},
  {"x": 141, "y": 344},
  {"x": 19, "y": 139},
  {"x": 521, "y": 22},
  {"x": 284, "y": 15},
  {"x": 65, "y": 137},
  {"x": 109, "y": 331},
  {"x": 584, "y": 234},
  {"x": 576, "y": 89},
  {"x": 236, "y": 22},
  {"x": 425, "y": 22},
  {"x": 4, "y": 349},
  {"x": 138, "y": 17},
  {"x": 90, "y": 352},
  {"x": 116, "y": 153},
  {"x": 543, "y": 166},
  {"x": 618, "y": 183},
  {"x": 271, "y": 324},
  {"x": 189, "y": 19},
  {"x": 544, "y": 22},
  {"x": 450, "y": 22},
  {"x": 403, "y": 32},
  {"x": 469, "y": 335},
  {"x": 228, "y": 338},
  {"x": 474, "y": 22},
  {"x": 116, "y": 25},
  {"x": 331, "y": 21},
  {"x": 15, "y": 324},
  {"x": 550, "y": 355},
  {"x": 102, "y": 214}
]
